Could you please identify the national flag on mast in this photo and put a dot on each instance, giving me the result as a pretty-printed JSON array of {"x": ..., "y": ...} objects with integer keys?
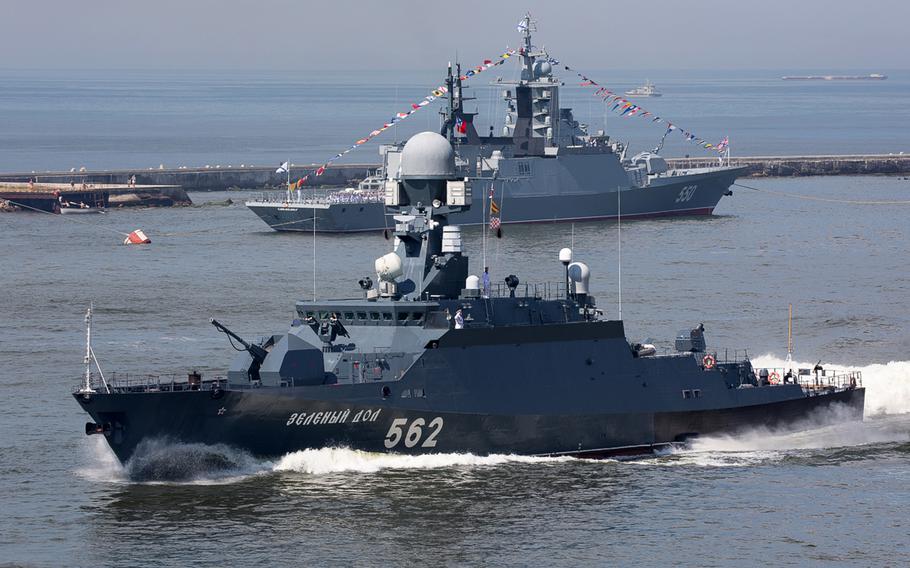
[{"x": 461, "y": 126}]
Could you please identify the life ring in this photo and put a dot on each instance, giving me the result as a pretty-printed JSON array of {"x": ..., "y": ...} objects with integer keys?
[
  {"x": 708, "y": 362},
  {"x": 774, "y": 378}
]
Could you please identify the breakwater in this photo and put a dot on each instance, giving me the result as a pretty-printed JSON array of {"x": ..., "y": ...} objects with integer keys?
[
  {"x": 794, "y": 166},
  {"x": 216, "y": 178},
  {"x": 208, "y": 178},
  {"x": 47, "y": 196}
]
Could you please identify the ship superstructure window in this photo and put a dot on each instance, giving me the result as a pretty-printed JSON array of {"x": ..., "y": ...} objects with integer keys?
[
  {"x": 406, "y": 393},
  {"x": 687, "y": 393},
  {"x": 696, "y": 393},
  {"x": 387, "y": 316},
  {"x": 417, "y": 316},
  {"x": 349, "y": 315},
  {"x": 374, "y": 316},
  {"x": 420, "y": 393},
  {"x": 361, "y": 316},
  {"x": 402, "y": 316}
]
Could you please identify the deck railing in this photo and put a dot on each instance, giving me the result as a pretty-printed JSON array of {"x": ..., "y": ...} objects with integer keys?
[{"x": 128, "y": 382}]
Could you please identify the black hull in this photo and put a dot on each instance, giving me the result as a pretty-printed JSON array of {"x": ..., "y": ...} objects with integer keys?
[{"x": 274, "y": 424}]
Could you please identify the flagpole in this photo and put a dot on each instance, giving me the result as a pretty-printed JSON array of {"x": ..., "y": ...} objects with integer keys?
[
  {"x": 314, "y": 251},
  {"x": 484, "y": 221},
  {"x": 619, "y": 242}
]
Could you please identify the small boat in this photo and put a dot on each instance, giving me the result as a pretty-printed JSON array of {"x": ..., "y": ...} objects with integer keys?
[
  {"x": 647, "y": 90},
  {"x": 80, "y": 208}
]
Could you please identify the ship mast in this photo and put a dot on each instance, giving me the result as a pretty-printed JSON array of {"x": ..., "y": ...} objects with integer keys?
[
  {"x": 87, "y": 385},
  {"x": 526, "y": 26}
]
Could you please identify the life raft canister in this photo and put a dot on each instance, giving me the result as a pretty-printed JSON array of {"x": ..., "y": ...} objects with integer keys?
[
  {"x": 774, "y": 378},
  {"x": 708, "y": 362}
]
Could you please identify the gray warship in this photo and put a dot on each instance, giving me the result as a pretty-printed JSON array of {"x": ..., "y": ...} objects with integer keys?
[
  {"x": 543, "y": 167},
  {"x": 432, "y": 359}
]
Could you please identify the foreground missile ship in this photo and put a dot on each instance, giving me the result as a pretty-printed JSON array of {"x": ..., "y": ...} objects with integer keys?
[{"x": 430, "y": 360}]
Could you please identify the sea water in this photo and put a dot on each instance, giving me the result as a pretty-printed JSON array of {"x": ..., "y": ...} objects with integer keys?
[{"x": 820, "y": 494}]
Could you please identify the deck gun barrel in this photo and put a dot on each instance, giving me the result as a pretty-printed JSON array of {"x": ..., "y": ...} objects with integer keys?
[{"x": 255, "y": 351}]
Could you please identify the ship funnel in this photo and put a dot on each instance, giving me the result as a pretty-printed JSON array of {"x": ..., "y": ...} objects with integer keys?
[{"x": 579, "y": 275}]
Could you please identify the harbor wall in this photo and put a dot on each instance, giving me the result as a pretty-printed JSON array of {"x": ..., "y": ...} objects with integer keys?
[
  {"x": 795, "y": 166},
  {"x": 45, "y": 195},
  {"x": 207, "y": 178},
  {"x": 264, "y": 177}
]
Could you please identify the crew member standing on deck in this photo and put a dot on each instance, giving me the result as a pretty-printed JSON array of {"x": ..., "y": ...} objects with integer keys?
[{"x": 459, "y": 319}]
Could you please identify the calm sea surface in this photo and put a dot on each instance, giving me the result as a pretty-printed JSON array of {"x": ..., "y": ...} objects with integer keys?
[
  {"x": 830, "y": 495},
  {"x": 139, "y": 119}
]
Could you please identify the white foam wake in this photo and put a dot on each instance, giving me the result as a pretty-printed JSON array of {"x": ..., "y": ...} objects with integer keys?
[
  {"x": 333, "y": 460},
  {"x": 887, "y": 384},
  {"x": 159, "y": 461}
]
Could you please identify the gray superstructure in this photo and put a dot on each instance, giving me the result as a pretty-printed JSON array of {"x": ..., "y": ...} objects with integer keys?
[{"x": 543, "y": 166}]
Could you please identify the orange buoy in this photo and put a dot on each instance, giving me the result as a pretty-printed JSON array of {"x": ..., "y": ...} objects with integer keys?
[{"x": 137, "y": 237}]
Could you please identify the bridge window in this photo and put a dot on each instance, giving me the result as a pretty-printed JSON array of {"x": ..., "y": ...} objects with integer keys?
[
  {"x": 417, "y": 316},
  {"x": 406, "y": 393},
  {"x": 402, "y": 316},
  {"x": 387, "y": 316},
  {"x": 348, "y": 315},
  {"x": 361, "y": 315},
  {"x": 374, "y": 316},
  {"x": 420, "y": 393}
]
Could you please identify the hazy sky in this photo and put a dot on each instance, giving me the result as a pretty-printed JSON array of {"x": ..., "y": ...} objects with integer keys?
[{"x": 398, "y": 34}]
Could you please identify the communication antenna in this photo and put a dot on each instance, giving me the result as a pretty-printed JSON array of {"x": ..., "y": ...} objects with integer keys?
[
  {"x": 619, "y": 241},
  {"x": 790, "y": 335},
  {"x": 314, "y": 251}
]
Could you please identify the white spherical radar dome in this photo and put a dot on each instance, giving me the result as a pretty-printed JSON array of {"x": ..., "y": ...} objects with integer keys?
[{"x": 427, "y": 155}]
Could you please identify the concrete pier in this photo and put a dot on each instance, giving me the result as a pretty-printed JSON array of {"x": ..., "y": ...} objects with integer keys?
[
  {"x": 209, "y": 178},
  {"x": 791, "y": 166},
  {"x": 44, "y": 196}
]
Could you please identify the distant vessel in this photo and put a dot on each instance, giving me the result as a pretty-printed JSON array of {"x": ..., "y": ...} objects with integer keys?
[
  {"x": 647, "y": 90},
  {"x": 544, "y": 166},
  {"x": 870, "y": 77}
]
